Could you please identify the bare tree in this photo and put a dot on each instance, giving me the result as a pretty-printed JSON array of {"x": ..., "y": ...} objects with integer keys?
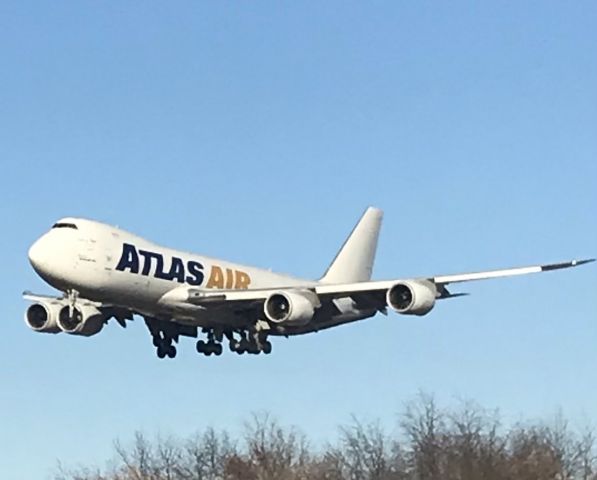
[
  {"x": 274, "y": 453},
  {"x": 471, "y": 446},
  {"x": 586, "y": 455},
  {"x": 467, "y": 443},
  {"x": 167, "y": 460},
  {"x": 424, "y": 427},
  {"x": 206, "y": 455},
  {"x": 81, "y": 473},
  {"x": 367, "y": 453},
  {"x": 136, "y": 464}
]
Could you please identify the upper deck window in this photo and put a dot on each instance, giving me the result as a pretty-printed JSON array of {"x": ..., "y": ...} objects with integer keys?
[{"x": 64, "y": 225}]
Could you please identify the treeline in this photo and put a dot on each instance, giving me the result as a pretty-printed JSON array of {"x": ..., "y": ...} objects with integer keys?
[{"x": 429, "y": 443}]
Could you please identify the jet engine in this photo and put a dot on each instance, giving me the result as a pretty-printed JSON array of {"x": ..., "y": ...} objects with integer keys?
[
  {"x": 412, "y": 297},
  {"x": 42, "y": 317},
  {"x": 84, "y": 320},
  {"x": 55, "y": 317},
  {"x": 292, "y": 308}
]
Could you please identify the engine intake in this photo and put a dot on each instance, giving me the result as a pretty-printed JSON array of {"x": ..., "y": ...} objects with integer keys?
[
  {"x": 42, "y": 317},
  {"x": 290, "y": 308},
  {"x": 85, "y": 320},
  {"x": 412, "y": 298}
]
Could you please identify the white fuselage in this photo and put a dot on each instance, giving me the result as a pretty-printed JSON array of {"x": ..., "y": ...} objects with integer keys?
[{"x": 107, "y": 264}]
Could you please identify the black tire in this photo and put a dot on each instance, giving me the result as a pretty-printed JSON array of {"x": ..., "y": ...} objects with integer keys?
[
  {"x": 161, "y": 352},
  {"x": 218, "y": 349},
  {"x": 171, "y": 351},
  {"x": 201, "y": 346},
  {"x": 267, "y": 348}
]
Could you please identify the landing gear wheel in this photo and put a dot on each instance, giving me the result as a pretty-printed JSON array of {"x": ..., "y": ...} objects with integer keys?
[
  {"x": 156, "y": 341},
  {"x": 171, "y": 351},
  {"x": 209, "y": 348},
  {"x": 267, "y": 347},
  {"x": 161, "y": 352}
]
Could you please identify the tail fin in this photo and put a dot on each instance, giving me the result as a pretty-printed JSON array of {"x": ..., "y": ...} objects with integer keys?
[{"x": 354, "y": 261}]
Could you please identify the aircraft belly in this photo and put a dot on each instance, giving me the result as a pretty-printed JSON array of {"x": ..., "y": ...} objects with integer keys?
[{"x": 323, "y": 322}]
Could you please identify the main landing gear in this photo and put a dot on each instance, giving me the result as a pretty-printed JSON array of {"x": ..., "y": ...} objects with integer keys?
[
  {"x": 163, "y": 336},
  {"x": 251, "y": 340},
  {"x": 163, "y": 344},
  {"x": 213, "y": 346},
  {"x": 253, "y": 343}
]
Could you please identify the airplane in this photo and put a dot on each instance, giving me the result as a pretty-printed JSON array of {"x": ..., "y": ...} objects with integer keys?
[{"x": 105, "y": 272}]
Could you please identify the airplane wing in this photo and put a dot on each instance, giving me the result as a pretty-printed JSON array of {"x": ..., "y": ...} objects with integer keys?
[
  {"x": 253, "y": 297},
  {"x": 442, "y": 280}
]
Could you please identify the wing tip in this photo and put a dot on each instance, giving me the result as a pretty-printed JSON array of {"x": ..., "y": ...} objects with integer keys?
[
  {"x": 573, "y": 263},
  {"x": 578, "y": 263}
]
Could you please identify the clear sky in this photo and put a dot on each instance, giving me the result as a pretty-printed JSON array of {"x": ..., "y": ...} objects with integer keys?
[{"x": 258, "y": 132}]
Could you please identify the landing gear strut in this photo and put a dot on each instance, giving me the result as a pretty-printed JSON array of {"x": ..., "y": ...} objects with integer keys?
[
  {"x": 72, "y": 297},
  {"x": 163, "y": 337}
]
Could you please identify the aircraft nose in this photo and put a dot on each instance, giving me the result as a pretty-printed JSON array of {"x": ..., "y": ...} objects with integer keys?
[{"x": 36, "y": 254}]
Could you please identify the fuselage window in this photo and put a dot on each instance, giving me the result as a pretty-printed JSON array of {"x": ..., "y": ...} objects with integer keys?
[{"x": 64, "y": 225}]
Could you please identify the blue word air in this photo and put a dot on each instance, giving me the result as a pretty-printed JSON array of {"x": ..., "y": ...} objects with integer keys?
[{"x": 192, "y": 272}]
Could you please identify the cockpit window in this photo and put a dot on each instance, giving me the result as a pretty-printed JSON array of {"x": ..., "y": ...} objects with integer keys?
[{"x": 64, "y": 225}]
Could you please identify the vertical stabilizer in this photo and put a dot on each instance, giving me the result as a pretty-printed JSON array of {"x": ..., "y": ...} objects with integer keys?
[{"x": 354, "y": 261}]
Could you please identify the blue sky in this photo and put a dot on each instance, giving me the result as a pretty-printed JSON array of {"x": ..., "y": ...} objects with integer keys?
[{"x": 258, "y": 132}]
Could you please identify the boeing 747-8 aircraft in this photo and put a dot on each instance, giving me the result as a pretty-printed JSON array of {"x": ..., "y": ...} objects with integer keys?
[{"x": 105, "y": 272}]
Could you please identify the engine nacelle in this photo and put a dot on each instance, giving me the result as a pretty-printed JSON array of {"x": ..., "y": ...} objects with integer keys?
[
  {"x": 412, "y": 298},
  {"x": 86, "y": 320},
  {"x": 292, "y": 308},
  {"x": 42, "y": 317}
]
